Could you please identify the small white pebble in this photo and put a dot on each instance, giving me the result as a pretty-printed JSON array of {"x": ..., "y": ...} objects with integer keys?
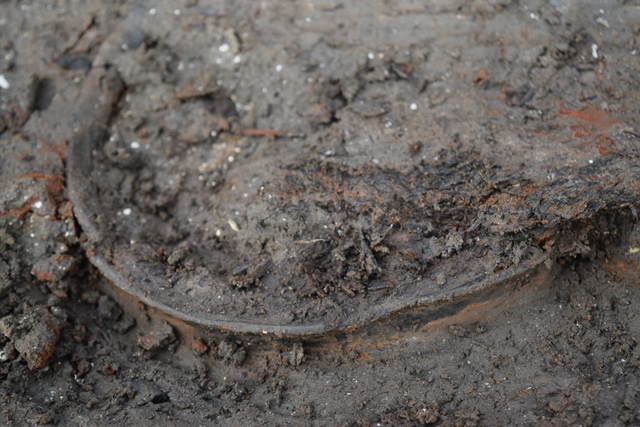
[
  {"x": 152, "y": 11},
  {"x": 224, "y": 47},
  {"x": 279, "y": 67},
  {"x": 37, "y": 205},
  {"x": 370, "y": 55},
  {"x": 231, "y": 159},
  {"x": 4, "y": 84},
  {"x": 135, "y": 145},
  {"x": 594, "y": 50},
  {"x": 307, "y": 19},
  {"x": 590, "y": 161},
  {"x": 126, "y": 211},
  {"x": 413, "y": 106},
  {"x": 237, "y": 59},
  {"x": 233, "y": 225},
  {"x": 177, "y": 12},
  {"x": 218, "y": 232},
  {"x": 376, "y": 161}
]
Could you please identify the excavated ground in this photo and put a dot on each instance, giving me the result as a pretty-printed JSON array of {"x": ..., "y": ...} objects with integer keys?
[{"x": 303, "y": 167}]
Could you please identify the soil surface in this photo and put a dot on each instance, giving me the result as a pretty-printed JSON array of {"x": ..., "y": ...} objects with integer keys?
[{"x": 308, "y": 166}]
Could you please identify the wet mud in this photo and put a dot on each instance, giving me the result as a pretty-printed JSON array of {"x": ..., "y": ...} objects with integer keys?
[{"x": 312, "y": 213}]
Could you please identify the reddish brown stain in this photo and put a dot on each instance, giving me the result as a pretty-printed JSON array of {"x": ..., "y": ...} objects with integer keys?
[
  {"x": 49, "y": 347},
  {"x": 599, "y": 120},
  {"x": 21, "y": 211},
  {"x": 594, "y": 128},
  {"x": 198, "y": 346},
  {"x": 43, "y": 276}
]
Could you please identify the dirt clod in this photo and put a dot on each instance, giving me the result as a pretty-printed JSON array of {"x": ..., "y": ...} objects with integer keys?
[
  {"x": 231, "y": 352},
  {"x": 458, "y": 331},
  {"x": 160, "y": 337},
  {"x": 34, "y": 335},
  {"x": 296, "y": 356}
]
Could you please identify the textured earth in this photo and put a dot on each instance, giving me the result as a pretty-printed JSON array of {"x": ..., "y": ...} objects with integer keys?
[{"x": 316, "y": 165}]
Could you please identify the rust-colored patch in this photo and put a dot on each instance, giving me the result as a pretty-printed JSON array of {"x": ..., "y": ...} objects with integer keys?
[
  {"x": 21, "y": 211},
  {"x": 620, "y": 268},
  {"x": 109, "y": 370},
  {"x": 65, "y": 211},
  {"x": 524, "y": 393},
  {"x": 363, "y": 356},
  {"x": 594, "y": 128},
  {"x": 198, "y": 346},
  {"x": 598, "y": 119},
  {"x": 54, "y": 187},
  {"x": 481, "y": 76},
  {"x": 546, "y": 240},
  {"x": 40, "y": 176},
  {"x": 60, "y": 149},
  {"x": 55, "y": 190},
  {"x": 43, "y": 276},
  {"x": 49, "y": 347},
  {"x": 529, "y": 189}
]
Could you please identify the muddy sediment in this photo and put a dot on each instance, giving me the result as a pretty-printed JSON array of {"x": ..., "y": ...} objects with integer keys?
[
  {"x": 300, "y": 213},
  {"x": 313, "y": 226}
]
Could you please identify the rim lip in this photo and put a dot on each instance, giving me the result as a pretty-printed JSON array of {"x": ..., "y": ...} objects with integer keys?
[{"x": 116, "y": 275}]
